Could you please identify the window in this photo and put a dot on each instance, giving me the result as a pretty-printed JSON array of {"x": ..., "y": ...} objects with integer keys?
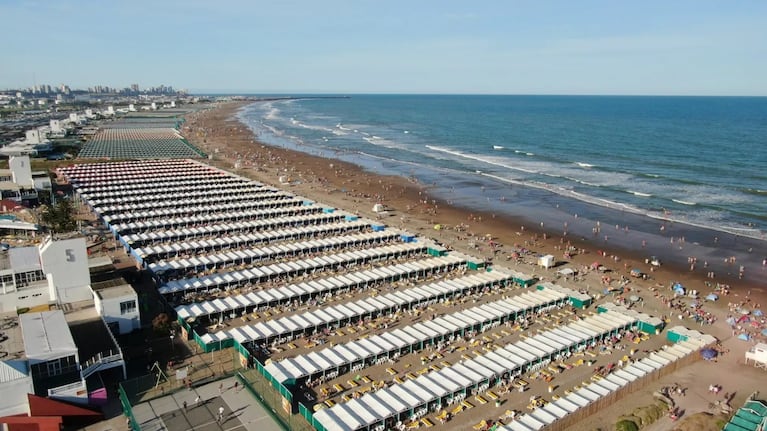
[{"x": 128, "y": 307}]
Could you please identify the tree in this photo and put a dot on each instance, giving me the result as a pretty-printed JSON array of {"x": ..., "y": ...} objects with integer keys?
[{"x": 60, "y": 217}]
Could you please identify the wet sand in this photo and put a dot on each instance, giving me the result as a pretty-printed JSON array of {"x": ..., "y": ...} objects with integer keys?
[{"x": 418, "y": 208}]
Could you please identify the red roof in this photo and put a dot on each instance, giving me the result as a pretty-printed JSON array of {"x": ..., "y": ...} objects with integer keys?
[{"x": 39, "y": 406}]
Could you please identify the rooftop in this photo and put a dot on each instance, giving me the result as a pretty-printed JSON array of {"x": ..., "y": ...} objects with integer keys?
[{"x": 46, "y": 335}]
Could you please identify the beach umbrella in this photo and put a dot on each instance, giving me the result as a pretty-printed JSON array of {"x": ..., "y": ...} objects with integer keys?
[
  {"x": 743, "y": 337},
  {"x": 758, "y": 313},
  {"x": 712, "y": 297},
  {"x": 708, "y": 354},
  {"x": 634, "y": 298}
]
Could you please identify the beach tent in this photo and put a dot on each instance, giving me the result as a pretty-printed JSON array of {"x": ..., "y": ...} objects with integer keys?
[
  {"x": 712, "y": 297},
  {"x": 744, "y": 337},
  {"x": 678, "y": 289},
  {"x": 546, "y": 261},
  {"x": 708, "y": 354}
]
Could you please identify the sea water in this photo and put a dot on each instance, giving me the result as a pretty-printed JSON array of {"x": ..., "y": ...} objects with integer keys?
[{"x": 701, "y": 161}]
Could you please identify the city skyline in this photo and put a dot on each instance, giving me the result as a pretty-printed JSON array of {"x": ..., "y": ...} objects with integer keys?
[{"x": 551, "y": 47}]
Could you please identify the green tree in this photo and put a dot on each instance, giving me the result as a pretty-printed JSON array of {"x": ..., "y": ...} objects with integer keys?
[{"x": 60, "y": 217}]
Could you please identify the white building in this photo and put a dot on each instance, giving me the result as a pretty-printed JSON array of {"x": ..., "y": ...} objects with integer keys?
[
  {"x": 758, "y": 355},
  {"x": 15, "y": 384},
  {"x": 21, "y": 170},
  {"x": 55, "y": 272},
  {"x": 65, "y": 264},
  {"x": 52, "y": 356},
  {"x": 118, "y": 306},
  {"x": 56, "y": 126},
  {"x": 33, "y": 136}
]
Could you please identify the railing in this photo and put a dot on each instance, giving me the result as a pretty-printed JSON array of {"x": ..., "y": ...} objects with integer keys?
[
  {"x": 95, "y": 363},
  {"x": 68, "y": 387}
]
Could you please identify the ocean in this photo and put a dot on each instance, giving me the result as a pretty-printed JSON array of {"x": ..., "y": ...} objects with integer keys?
[{"x": 701, "y": 161}]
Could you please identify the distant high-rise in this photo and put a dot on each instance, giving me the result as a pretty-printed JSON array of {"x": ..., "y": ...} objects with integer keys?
[{"x": 134, "y": 88}]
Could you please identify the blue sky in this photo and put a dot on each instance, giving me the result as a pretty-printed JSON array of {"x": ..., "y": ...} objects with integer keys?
[{"x": 684, "y": 47}]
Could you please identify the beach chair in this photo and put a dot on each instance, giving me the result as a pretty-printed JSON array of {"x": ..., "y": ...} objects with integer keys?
[
  {"x": 291, "y": 346},
  {"x": 414, "y": 425},
  {"x": 346, "y": 397},
  {"x": 445, "y": 363},
  {"x": 467, "y": 405},
  {"x": 338, "y": 387},
  {"x": 427, "y": 422},
  {"x": 480, "y": 426},
  {"x": 423, "y": 371},
  {"x": 480, "y": 399},
  {"x": 352, "y": 383},
  {"x": 366, "y": 379},
  {"x": 410, "y": 376},
  {"x": 434, "y": 367},
  {"x": 329, "y": 403},
  {"x": 398, "y": 380},
  {"x": 492, "y": 395},
  {"x": 457, "y": 409},
  {"x": 391, "y": 371}
]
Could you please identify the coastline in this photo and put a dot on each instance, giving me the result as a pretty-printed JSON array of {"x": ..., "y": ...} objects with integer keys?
[{"x": 417, "y": 207}]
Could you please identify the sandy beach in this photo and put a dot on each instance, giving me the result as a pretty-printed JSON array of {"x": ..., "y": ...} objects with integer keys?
[{"x": 514, "y": 242}]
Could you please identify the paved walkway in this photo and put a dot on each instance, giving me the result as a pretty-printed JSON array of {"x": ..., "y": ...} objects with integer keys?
[{"x": 241, "y": 410}]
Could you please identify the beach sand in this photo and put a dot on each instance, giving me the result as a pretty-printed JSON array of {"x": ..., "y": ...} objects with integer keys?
[{"x": 233, "y": 147}]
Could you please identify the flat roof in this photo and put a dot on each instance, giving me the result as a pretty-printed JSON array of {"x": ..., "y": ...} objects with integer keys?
[
  {"x": 46, "y": 335},
  {"x": 119, "y": 291}
]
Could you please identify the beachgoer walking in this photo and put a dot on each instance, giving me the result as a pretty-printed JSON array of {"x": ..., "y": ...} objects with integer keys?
[
  {"x": 220, "y": 414},
  {"x": 221, "y": 388},
  {"x": 184, "y": 404},
  {"x": 197, "y": 401}
]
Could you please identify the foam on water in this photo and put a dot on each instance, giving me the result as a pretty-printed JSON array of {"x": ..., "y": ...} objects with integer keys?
[{"x": 595, "y": 164}]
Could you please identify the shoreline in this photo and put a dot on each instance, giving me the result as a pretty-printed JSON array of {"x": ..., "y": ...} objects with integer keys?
[
  {"x": 417, "y": 207},
  {"x": 235, "y": 147}
]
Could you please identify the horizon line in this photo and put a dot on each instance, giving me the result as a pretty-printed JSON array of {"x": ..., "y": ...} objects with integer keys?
[{"x": 309, "y": 93}]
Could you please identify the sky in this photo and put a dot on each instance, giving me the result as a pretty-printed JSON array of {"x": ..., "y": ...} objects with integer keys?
[{"x": 651, "y": 47}]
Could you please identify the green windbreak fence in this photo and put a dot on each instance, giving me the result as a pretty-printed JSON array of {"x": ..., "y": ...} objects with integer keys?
[
  {"x": 307, "y": 414},
  {"x": 127, "y": 408},
  {"x": 274, "y": 402}
]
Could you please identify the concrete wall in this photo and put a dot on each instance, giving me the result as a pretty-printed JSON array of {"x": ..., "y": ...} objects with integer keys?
[{"x": 14, "y": 398}]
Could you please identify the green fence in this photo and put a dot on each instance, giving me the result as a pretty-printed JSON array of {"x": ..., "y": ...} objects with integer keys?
[
  {"x": 201, "y": 368},
  {"x": 273, "y": 401},
  {"x": 127, "y": 408}
]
